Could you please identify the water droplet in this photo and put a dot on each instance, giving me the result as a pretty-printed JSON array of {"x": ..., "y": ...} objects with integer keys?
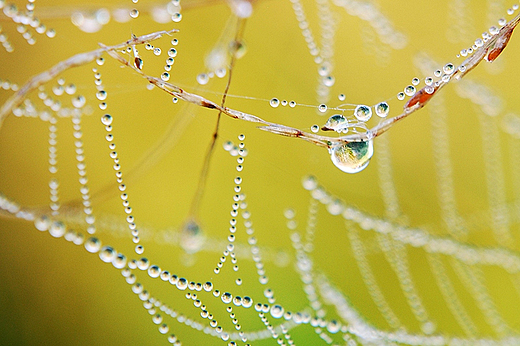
[
  {"x": 106, "y": 119},
  {"x": 157, "y": 51},
  {"x": 342, "y": 97},
  {"x": 448, "y": 68},
  {"x": 322, "y": 108},
  {"x": 174, "y": 42},
  {"x": 292, "y": 104},
  {"x": 70, "y": 89},
  {"x": 100, "y": 61},
  {"x": 92, "y": 245},
  {"x": 329, "y": 81},
  {"x": 57, "y": 229},
  {"x": 382, "y": 109},
  {"x": 42, "y": 223},
  {"x": 226, "y": 297},
  {"x": 247, "y": 302},
  {"x": 134, "y": 13},
  {"x": 154, "y": 271},
  {"x": 274, "y": 102},
  {"x": 107, "y": 254},
  {"x": 78, "y": 101},
  {"x": 101, "y": 95},
  {"x": 493, "y": 30},
  {"x": 207, "y": 286},
  {"x": 284, "y": 103},
  {"x": 415, "y": 81},
  {"x": 176, "y": 17},
  {"x": 409, "y": 90},
  {"x": 238, "y": 49},
  {"x": 352, "y": 157},
  {"x": 333, "y": 327},
  {"x": 172, "y": 53},
  {"x": 337, "y": 123},
  {"x": 400, "y": 96},
  {"x": 437, "y": 73},
  {"x": 428, "y": 81},
  {"x": 277, "y": 311},
  {"x": 202, "y": 78},
  {"x": 165, "y": 76},
  {"x": 220, "y": 73},
  {"x": 315, "y": 128},
  {"x": 363, "y": 113},
  {"x": 58, "y": 90}
]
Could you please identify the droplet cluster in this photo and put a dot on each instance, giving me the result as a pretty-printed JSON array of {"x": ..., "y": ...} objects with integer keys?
[
  {"x": 82, "y": 172},
  {"x": 27, "y": 24}
]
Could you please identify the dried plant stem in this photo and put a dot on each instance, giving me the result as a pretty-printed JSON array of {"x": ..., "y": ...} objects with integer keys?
[{"x": 74, "y": 61}]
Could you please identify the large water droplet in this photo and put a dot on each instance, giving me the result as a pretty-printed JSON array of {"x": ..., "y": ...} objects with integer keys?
[{"x": 352, "y": 157}]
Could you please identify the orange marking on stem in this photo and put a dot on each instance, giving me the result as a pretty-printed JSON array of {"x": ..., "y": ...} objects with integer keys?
[{"x": 420, "y": 98}]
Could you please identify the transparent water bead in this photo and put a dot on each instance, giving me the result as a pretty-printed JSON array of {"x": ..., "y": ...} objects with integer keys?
[
  {"x": 363, "y": 113},
  {"x": 382, "y": 109},
  {"x": 352, "y": 157},
  {"x": 336, "y": 122},
  {"x": 277, "y": 311},
  {"x": 274, "y": 102}
]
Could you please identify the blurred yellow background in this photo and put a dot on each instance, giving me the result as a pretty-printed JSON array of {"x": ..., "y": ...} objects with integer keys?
[{"x": 53, "y": 292}]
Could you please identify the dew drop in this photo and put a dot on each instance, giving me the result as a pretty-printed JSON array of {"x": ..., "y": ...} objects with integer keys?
[
  {"x": 448, "y": 68},
  {"x": 92, "y": 245},
  {"x": 274, "y": 102},
  {"x": 292, "y": 104},
  {"x": 220, "y": 73},
  {"x": 70, "y": 89},
  {"x": 176, "y": 17},
  {"x": 277, "y": 311},
  {"x": 322, "y": 108},
  {"x": 247, "y": 302},
  {"x": 100, "y": 61},
  {"x": 428, "y": 81},
  {"x": 172, "y": 53},
  {"x": 352, "y": 157},
  {"x": 400, "y": 96},
  {"x": 107, "y": 254},
  {"x": 284, "y": 103},
  {"x": 409, "y": 90},
  {"x": 337, "y": 123},
  {"x": 101, "y": 95},
  {"x": 202, "y": 78},
  {"x": 78, "y": 101},
  {"x": 315, "y": 128},
  {"x": 329, "y": 81},
  {"x": 382, "y": 109},
  {"x": 226, "y": 297},
  {"x": 134, "y": 13},
  {"x": 341, "y": 97},
  {"x": 106, "y": 119},
  {"x": 42, "y": 223},
  {"x": 154, "y": 271},
  {"x": 363, "y": 113},
  {"x": 415, "y": 81},
  {"x": 207, "y": 286},
  {"x": 165, "y": 76},
  {"x": 57, "y": 229},
  {"x": 437, "y": 73},
  {"x": 174, "y": 42},
  {"x": 157, "y": 51}
]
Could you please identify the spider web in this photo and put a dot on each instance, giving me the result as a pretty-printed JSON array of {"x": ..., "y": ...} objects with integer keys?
[{"x": 420, "y": 248}]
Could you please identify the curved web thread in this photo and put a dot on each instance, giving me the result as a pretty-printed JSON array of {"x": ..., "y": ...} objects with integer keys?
[{"x": 394, "y": 236}]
